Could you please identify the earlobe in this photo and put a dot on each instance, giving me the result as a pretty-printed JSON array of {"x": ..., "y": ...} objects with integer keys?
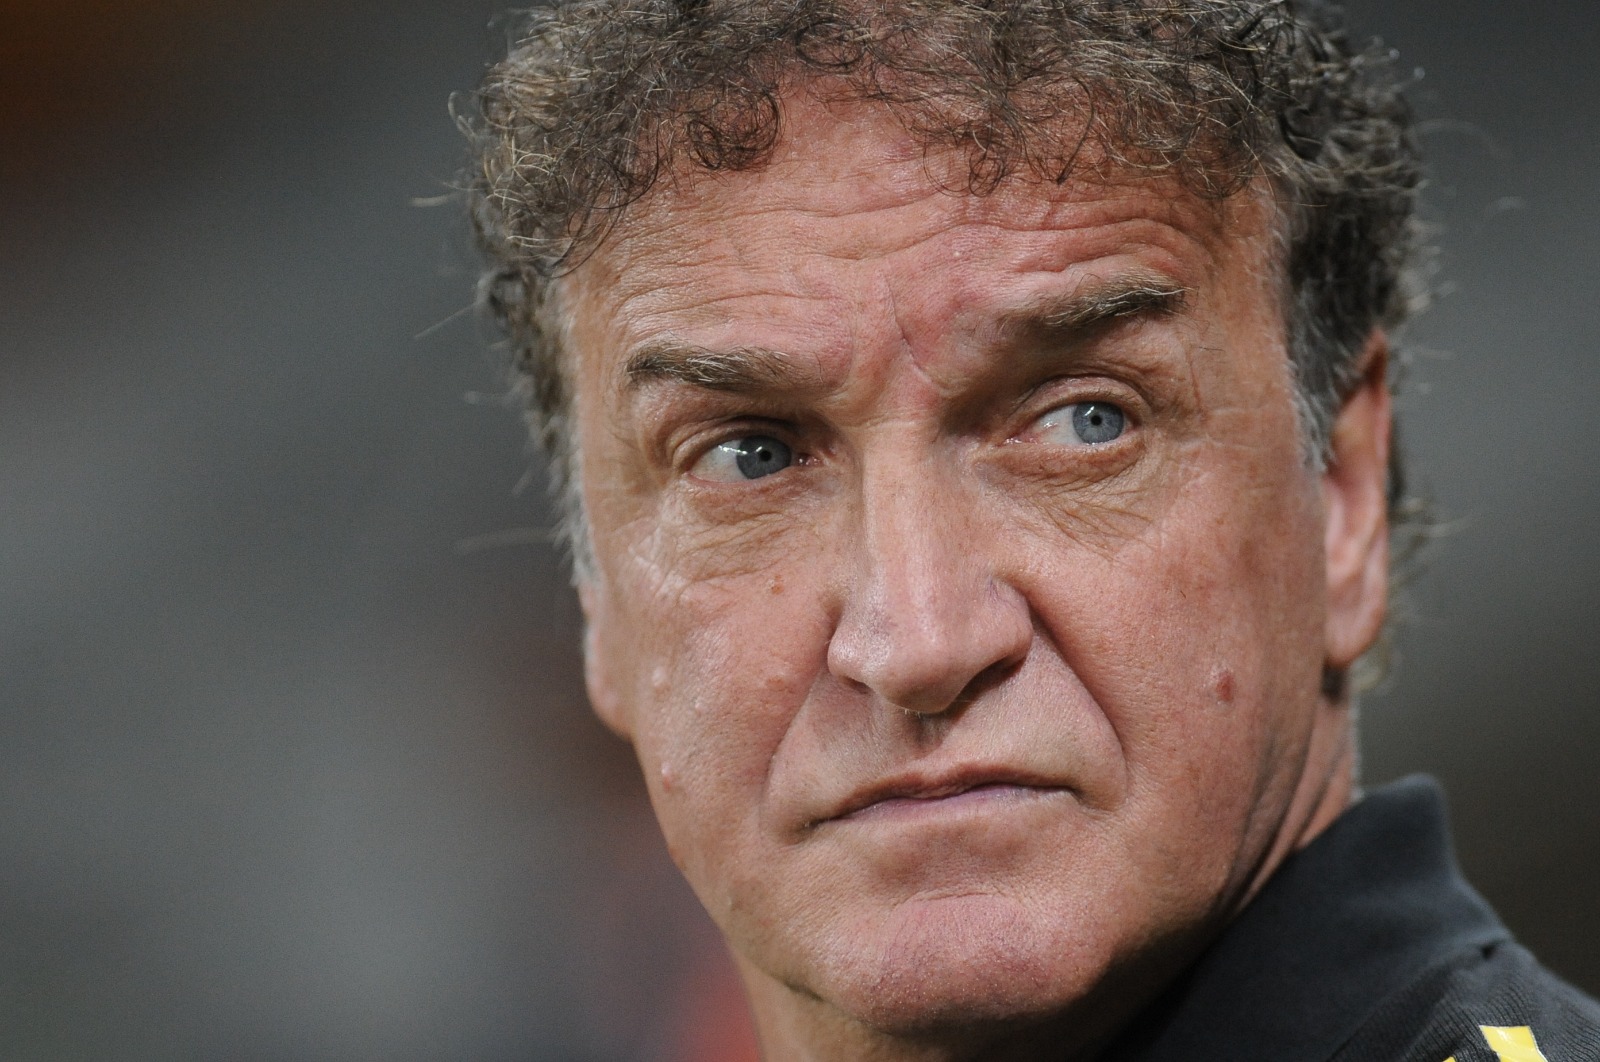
[
  {"x": 603, "y": 697},
  {"x": 1355, "y": 505}
]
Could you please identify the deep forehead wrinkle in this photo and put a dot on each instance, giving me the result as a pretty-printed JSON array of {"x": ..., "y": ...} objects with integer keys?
[{"x": 745, "y": 370}]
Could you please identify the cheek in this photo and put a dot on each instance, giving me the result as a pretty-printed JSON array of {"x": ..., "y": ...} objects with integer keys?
[
  {"x": 1200, "y": 636},
  {"x": 725, "y": 667}
]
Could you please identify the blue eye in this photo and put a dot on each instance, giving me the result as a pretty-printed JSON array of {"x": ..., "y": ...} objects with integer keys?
[
  {"x": 751, "y": 457},
  {"x": 1083, "y": 424}
]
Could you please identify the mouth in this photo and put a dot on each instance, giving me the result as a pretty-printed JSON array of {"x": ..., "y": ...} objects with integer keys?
[{"x": 915, "y": 798}]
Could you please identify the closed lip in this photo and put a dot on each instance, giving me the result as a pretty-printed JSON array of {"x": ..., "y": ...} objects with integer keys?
[{"x": 938, "y": 787}]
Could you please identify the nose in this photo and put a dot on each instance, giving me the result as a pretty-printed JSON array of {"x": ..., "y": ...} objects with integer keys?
[{"x": 925, "y": 613}]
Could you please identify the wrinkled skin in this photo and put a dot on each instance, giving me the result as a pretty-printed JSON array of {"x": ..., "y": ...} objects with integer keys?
[{"x": 964, "y": 729}]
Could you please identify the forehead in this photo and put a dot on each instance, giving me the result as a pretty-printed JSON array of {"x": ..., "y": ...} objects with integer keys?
[{"x": 853, "y": 211}]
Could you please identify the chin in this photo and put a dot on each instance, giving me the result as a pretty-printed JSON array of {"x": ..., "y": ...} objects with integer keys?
[{"x": 963, "y": 964}]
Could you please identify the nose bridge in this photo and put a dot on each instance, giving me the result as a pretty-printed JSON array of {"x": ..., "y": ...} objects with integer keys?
[
  {"x": 926, "y": 611},
  {"x": 912, "y": 515}
]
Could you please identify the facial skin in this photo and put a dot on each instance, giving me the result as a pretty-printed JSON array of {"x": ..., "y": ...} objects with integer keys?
[{"x": 997, "y": 691}]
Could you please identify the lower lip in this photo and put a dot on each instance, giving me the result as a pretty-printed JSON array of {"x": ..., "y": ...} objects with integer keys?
[{"x": 979, "y": 797}]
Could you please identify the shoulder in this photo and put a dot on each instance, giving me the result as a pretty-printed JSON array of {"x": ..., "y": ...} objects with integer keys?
[{"x": 1495, "y": 1004}]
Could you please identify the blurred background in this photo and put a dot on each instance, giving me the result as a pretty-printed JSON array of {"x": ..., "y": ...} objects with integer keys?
[{"x": 294, "y": 759}]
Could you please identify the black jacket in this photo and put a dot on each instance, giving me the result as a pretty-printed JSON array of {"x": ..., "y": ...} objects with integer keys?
[{"x": 1367, "y": 946}]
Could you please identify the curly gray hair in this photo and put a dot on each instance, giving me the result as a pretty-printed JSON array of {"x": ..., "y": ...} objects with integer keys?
[{"x": 598, "y": 98}]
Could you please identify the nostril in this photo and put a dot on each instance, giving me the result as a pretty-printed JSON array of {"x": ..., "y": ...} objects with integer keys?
[
  {"x": 944, "y": 689},
  {"x": 990, "y": 678}
]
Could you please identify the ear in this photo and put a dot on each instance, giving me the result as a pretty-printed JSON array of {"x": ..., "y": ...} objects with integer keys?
[
  {"x": 1355, "y": 504},
  {"x": 603, "y": 694}
]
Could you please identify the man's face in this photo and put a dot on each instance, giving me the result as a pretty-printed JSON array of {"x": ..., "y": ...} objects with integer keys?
[{"x": 959, "y": 577}]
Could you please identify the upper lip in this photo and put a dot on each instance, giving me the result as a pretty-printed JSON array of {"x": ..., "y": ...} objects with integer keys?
[{"x": 932, "y": 786}]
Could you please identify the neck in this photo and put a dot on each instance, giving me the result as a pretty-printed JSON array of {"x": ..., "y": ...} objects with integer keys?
[{"x": 1325, "y": 791}]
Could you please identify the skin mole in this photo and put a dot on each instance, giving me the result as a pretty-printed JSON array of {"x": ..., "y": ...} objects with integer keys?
[{"x": 1223, "y": 684}]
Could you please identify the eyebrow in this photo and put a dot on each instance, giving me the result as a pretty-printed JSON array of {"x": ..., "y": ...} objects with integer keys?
[
  {"x": 1104, "y": 301},
  {"x": 742, "y": 369}
]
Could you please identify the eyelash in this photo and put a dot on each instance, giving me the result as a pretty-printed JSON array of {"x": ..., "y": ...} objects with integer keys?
[
  {"x": 1046, "y": 398},
  {"x": 694, "y": 449}
]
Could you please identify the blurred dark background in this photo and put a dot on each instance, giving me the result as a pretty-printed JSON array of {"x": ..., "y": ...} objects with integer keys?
[{"x": 294, "y": 760}]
